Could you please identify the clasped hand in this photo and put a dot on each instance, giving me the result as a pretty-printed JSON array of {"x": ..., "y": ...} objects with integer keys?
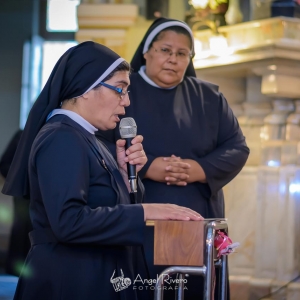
[
  {"x": 175, "y": 171},
  {"x": 172, "y": 170}
]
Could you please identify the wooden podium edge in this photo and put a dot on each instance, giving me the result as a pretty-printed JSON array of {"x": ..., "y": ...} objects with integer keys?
[{"x": 152, "y": 222}]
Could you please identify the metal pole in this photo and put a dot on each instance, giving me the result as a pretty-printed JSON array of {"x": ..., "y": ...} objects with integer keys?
[
  {"x": 223, "y": 285},
  {"x": 223, "y": 266},
  {"x": 180, "y": 292},
  {"x": 209, "y": 276},
  {"x": 159, "y": 287},
  {"x": 164, "y": 276}
]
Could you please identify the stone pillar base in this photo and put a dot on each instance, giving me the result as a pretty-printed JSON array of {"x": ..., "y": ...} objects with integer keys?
[{"x": 248, "y": 288}]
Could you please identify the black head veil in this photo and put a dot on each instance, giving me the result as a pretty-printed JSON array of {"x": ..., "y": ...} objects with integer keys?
[
  {"x": 158, "y": 25},
  {"x": 77, "y": 71}
]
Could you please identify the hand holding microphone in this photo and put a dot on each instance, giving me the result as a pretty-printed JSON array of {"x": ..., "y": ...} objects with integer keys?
[{"x": 130, "y": 154}]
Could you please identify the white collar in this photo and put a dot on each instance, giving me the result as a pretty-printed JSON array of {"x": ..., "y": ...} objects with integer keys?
[{"x": 75, "y": 117}]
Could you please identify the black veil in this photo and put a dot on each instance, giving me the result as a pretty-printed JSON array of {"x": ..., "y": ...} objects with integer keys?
[
  {"x": 76, "y": 72},
  {"x": 138, "y": 59}
]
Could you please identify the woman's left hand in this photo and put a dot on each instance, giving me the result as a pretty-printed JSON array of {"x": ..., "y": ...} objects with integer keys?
[
  {"x": 195, "y": 172},
  {"x": 135, "y": 154}
]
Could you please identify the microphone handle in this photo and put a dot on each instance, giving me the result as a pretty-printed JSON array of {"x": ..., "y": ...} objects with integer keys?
[{"x": 131, "y": 169}]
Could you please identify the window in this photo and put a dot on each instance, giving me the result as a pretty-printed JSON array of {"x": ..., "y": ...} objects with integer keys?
[
  {"x": 52, "y": 51},
  {"x": 62, "y": 15},
  {"x": 58, "y": 24}
]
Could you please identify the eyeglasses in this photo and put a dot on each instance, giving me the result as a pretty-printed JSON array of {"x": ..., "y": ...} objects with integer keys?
[
  {"x": 166, "y": 52},
  {"x": 120, "y": 92}
]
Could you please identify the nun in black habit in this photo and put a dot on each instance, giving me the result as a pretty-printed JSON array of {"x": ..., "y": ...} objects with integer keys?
[
  {"x": 86, "y": 234},
  {"x": 192, "y": 139}
]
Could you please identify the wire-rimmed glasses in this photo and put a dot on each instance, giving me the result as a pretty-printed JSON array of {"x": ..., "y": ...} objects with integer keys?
[{"x": 181, "y": 55}]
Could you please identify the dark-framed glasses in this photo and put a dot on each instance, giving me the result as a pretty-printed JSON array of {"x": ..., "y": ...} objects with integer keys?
[
  {"x": 181, "y": 55},
  {"x": 120, "y": 92}
]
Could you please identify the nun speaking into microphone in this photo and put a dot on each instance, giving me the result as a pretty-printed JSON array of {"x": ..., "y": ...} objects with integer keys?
[{"x": 86, "y": 233}]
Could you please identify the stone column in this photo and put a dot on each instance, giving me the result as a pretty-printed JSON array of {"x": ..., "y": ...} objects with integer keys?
[
  {"x": 262, "y": 201},
  {"x": 106, "y": 24},
  {"x": 260, "y": 9}
]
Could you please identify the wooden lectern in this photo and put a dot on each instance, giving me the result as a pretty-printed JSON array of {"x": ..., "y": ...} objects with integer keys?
[{"x": 188, "y": 248}]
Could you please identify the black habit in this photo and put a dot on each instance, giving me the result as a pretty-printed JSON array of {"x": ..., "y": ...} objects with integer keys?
[
  {"x": 194, "y": 121},
  {"x": 86, "y": 235},
  {"x": 75, "y": 187}
]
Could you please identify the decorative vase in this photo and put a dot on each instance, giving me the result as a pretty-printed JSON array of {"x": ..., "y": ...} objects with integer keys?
[{"x": 234, "y": 14}]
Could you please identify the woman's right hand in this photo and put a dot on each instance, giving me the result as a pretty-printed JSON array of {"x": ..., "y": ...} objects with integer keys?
[
  {"x": 171, "y": 170},
  {"x": 157, "y": 211}
]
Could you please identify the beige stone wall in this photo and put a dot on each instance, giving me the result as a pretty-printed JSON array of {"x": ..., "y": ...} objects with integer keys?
[
  {"x": 135, "y": 35},
  {"x": 117, "y": 26}
]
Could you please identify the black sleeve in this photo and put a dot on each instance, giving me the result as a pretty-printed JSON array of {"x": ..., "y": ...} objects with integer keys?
[
  {"x": 8, "y": 154},
  {"x": 64, "y": 181},
  {"x": 231, "y": 153},
  {"x": 145, "y": 168}
]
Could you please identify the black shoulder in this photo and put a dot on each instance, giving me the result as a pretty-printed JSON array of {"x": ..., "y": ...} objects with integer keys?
[
  {"x": 134, "y": 77},
  {"x": 202, "y": 83},
  {"x": 60, "y": 135}
]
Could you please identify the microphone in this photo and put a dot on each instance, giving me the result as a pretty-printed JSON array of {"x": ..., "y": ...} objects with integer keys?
[{"x": 128, "y": 132}]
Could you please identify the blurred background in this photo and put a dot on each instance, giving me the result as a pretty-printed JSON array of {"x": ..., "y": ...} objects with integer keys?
[{"x": 250, "y": 48}]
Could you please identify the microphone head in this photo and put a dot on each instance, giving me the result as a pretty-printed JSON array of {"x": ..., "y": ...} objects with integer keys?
[{"x": 127, "y": 128}]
